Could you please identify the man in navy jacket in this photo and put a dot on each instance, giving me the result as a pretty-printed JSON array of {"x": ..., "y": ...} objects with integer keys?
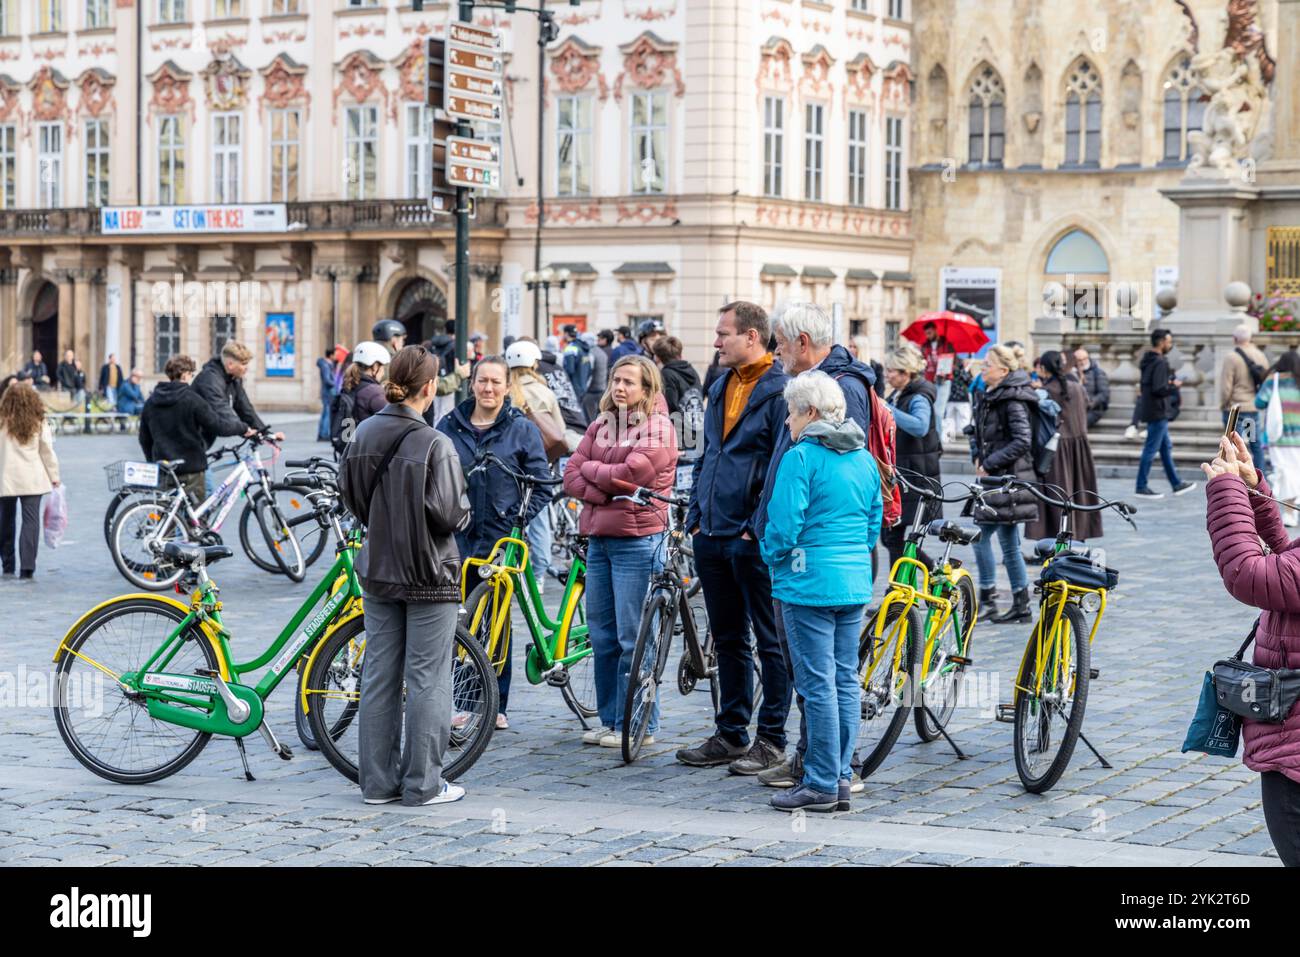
[{"x": 743, "y": 421}]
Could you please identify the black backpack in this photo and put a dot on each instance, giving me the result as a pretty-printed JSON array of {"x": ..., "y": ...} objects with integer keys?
[
  {"x": 1046, "y": 437},
  {"x": 1257, "y": 372},
  {"x": 342, "y": 419}
]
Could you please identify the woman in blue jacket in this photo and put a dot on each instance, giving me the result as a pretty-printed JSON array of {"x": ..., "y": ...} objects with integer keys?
[
  {"x": 822, "y": 523},
  {"x": 487, "y": 422}
]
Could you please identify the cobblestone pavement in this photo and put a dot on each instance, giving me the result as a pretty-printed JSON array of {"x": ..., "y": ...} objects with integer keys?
[{"x": 539, "y": 797}]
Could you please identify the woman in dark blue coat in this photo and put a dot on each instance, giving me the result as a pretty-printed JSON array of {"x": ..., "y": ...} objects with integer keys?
[{"x": 489, "y": 423}]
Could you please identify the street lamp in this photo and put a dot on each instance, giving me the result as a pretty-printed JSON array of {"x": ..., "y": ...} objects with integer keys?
[{"x": 544, "y": 279}]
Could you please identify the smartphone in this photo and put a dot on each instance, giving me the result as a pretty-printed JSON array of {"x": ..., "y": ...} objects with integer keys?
[{"x": 1233, "y": 413}]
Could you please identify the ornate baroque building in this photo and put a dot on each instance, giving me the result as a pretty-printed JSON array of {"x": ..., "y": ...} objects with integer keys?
[
  {"x": 694, "y": 152},
  {"x": 1044, "y": 134}
]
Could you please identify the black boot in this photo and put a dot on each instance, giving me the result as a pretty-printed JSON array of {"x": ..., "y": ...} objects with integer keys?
[
  {"x": 988, "y": 602},
  {"x": 1019, "y": 610}
]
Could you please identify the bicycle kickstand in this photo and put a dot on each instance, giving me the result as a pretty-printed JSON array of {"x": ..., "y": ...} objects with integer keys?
[
  {"x": 1104, "y": 763},
  {"x": 961, "y": 755},
  {"x": 243, "y": 756}
]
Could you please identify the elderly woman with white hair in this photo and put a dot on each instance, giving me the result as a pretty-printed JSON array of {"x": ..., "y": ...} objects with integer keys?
[
  {"x": 912, "y": 402},
  {"x": 822, "y": 523}
]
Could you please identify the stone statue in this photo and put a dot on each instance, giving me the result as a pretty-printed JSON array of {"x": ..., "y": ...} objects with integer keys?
[{"x": 1237, "y": 97}]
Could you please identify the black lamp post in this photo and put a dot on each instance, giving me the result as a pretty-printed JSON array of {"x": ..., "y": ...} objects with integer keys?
[{"x": 544, "y": 279}]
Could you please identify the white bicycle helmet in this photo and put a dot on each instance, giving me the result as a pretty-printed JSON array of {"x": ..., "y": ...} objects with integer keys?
[
  {"x": 368, "y": 353},
  {"x": 523, "y": 354}
]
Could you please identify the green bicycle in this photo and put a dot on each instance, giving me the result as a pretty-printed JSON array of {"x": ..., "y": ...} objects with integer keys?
[
  {"x": 559, "y": 653},
  {"x": 145, "y": 680}
]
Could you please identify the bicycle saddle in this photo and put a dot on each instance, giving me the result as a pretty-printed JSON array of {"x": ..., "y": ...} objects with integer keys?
[
  {"x": 185, "y": 554},
  {"x": 1045, "y": 547},
  {"x": 171, "y": 465},
  {"x": 950, "y": 531}
]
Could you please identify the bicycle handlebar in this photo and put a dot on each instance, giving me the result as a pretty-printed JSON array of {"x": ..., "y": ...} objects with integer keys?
[
  {"x": 490, "y": 458},
  {"x": 315, "y": 462},
  {"x": 933, "y": 496},
  {"x": 638, "y": 493}
]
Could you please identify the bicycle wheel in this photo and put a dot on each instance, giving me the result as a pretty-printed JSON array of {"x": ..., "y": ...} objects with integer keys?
[
  {"x": 334, "y": 685},
  {"x": 941, "y": 688},
  {"x": 886, "y": 678},
  {"x": 279, "y": 540},
  {"x": 135, "y": 530},
  {"x": 579, "y": 691},
  {"x": 1047, "y": 724},
  {"x": 654, "y": 636},
  {"x": 292, "y": 505},
  {"x": 478, "y": 624},
  {"x": 106, "y": 728},
  {"x": 125, "y": 498}
]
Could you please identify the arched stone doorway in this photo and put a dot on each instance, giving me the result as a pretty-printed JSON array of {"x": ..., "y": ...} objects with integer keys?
[
  {"x": 1079, "y": 263},
  {"x": 422, "y": 308},
  {"x": 45, "y": 325}
]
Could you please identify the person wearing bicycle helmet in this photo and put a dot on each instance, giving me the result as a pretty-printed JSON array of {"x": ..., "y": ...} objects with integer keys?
[
  {"x": 362, "y": 394},
  {"x": 389, "y": 333},
  {"x": 489, "y": 422},
  {"x": 648, "y": 332}
]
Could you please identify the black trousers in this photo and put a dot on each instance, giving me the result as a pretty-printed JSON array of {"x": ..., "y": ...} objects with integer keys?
[
  {"x": 31, "y": 531},
  {"x": 1282, "y": 814}
]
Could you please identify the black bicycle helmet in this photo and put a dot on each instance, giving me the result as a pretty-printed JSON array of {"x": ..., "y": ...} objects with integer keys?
[
  {"x": 648, "y": 327},
  {"x": 386, "y": 329}
]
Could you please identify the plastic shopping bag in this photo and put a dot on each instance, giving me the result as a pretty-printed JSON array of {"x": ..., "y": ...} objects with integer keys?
[
  {"x": 1214, "y": 729},
  {"x": 56, "y": 516},
  {"x": 1273, "y": 423}
]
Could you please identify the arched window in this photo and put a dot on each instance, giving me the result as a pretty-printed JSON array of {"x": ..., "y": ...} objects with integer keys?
[
  {"x": 1184, "y": 109},
  {"x": 1081, "y": 260},
  {"x": 1077, "y": 252},
  {"x": 1083, "y": 116},
  {"x": 987, "y": 118}
]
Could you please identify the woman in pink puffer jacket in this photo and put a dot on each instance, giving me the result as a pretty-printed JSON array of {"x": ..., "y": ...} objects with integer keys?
[{"x": 1267, "y": 577}]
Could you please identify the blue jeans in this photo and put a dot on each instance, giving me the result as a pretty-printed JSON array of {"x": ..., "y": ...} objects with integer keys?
[
  {"x": 824, "y": 652},
  {"x": 943, "y": 390},
  {"x": 323, "y": 428},
  {"x": 539, "y": 538},
  {"x": 1256, "y": 449},
  {"x": 1009, "y": 536},
  {"x": 1157, "y": 441},
  {"x": 618, "y": 576}
]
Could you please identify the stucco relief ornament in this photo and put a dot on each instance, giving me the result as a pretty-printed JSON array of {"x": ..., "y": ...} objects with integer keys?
[
  {"x": 575, "y": 65},
  {"x": 1237, "y": 97},
  {"x": 226, "y": 89},
  {"x": 96, "y": 95},
  {"x": 48, "y": 101},
  {"x": 282, "y": 84}
]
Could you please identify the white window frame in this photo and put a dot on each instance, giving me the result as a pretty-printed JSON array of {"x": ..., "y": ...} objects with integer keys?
[
  {"x": 859, "y": 183},
  {"x": 648, "y": 129},
  {"x": 291, "y": 146},
  {"x": 814, "y": 152},
  {"x": 227, "y": 9},
  {"x": 171, "y": 160},
  {"x": 171, "y": 11},
  {"x": 418, "y": 149},
  {"x": 227, "y": 157},
  {"x": 356, "y": 167},
  {"x": 894, "y": 146},
  {"x": 49, "y": 16},
  {"x": 8, "y": 165},
  {"x": 581, "y": 131},
  {"x": 860, "y": 6},
  {"x": 98, "y": 162},
  {"x": 6, "y": 7},
  {"x": 49, "y": 164},
  {"x": 98, "y": 14},
  {"x": 897, "y": 9},
  {"x": 281, "y": 8},
  {"x": 774, "y": 146}
]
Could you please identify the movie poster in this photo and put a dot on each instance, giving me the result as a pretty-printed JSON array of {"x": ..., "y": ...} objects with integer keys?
[
  {"x": 973, "y": 291},
  {"x": 280, "y": 344}
]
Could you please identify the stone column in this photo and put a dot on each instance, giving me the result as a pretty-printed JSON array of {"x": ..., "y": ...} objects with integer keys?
[
  {"x": 67, "y": 313},
  {"x": 324, "y": 296},
  {"x": 82, "y": 339},
  {"x": 367, "y": 300},
  {"x": 346, "y": 276},
  {"x": 10, "y": 348},
  {"x": 1286, "y": 102}
]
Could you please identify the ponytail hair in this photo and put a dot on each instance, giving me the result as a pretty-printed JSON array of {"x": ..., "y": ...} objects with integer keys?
[{"x": 410, "y": 371}]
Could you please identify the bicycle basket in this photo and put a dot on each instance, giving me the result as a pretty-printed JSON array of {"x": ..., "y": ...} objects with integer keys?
[
  {"x": 1079, "y": 570},
  {"x": 126, "y": 474}
]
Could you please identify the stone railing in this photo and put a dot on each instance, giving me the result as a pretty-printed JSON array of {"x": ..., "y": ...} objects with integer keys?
[{"x": 42, "y": 222}]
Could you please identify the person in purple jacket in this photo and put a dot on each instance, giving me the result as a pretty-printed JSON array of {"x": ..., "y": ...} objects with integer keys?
[{"x": 1241, "y": 513}]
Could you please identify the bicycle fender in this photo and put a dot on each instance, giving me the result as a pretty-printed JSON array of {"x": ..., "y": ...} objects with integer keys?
[
  {"x": 354, "y": 611},
  {"x": 891, "y": 598},
  {"x": 207, "y": 628}
]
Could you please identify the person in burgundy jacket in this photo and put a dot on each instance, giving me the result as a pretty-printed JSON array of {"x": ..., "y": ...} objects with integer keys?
[
  {"x": 1240, "y": 514},
  {"x": 633, "y": 440}
]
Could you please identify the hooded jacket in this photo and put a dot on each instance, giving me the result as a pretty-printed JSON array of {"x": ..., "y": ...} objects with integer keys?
[
  {"x": 1002, "y": 442},
  {"x": 493, "y": 495},
  {"x": 824, "y": 518},
  {"x": 1158, "y": 393},
  {"x": 856, "y": 379},
  {"x": 1267, "y": 580},
  {"x": 226, "y": 395},
  {"x": 177, "y": 424},
  {"x": 679, "y": 376},
  {"x": 558, "y": 381},
  {"x": 577, "y": 365},
  {"x": 411, "y": 514}
]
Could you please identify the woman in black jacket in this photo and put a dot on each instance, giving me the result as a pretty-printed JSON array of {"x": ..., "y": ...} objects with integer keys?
[
  {"x": 1001, "y": 445},
  {"x": 410, "y": 573},
  {"x": 488, "y": 422}
]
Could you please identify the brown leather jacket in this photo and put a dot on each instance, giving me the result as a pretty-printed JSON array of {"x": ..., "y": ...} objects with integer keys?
[{"x": 413, "y": 515}]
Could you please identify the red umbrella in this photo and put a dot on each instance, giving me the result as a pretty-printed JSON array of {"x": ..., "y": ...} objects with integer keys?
[{"x": 962, "y": 332}]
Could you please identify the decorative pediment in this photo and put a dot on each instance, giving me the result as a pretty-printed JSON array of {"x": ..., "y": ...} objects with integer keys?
[
  {"x": 49, "y": 95},
  {"x": 898, "y": 80},
  {"x": 860, "y": 70},
  {"x": 411, "y": 68},
  {"x": 574, "y": 64},
  {"x": 816, "y": 79},
  {"x": 283, "y": 83},
  {"x": 775, "y": 68},
  {"x": 10, "y": 89},
  {"x": 226, "y": 82},
  {"x": 649, "y": 62},
  {"x": 361, "y": 78},
  {"x": 96, "y": 87},
  {"x": 171, "y": 90}
]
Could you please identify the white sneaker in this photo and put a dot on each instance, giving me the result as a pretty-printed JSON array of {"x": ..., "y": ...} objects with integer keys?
[
  {"x": 857, "y": 785},
  {"x": 615, "y": 740},
  {"x": 450, "y": 792},
  {"x": 593, "y": 737},
  {"x": 391, "y": 799},
  {"x": 1131, "y": 432},
  {"x": 502, "y": 723}
]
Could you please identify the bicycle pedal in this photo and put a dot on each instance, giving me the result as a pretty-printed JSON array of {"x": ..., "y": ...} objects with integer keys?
[
  {"x": 961, "y": 660},
  {"x": 1094, "y": 673},
  {"x": 1006, "y": 713}
]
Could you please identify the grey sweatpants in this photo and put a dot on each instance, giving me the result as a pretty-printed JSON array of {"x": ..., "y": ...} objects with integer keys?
[{"x": 411, "y": 642}]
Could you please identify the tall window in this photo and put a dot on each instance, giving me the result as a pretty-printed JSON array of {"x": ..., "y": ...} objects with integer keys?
[
  {"x": 224, "y": 328},
  {"x": 363, "y": 3},
  {"x": 419, "y": 149},
  {"x": 281, "y": 7},
  {"x": 49, "y": 163},
  {"x": 222, "y": 9},
  {"x": 171, "y": 11},
  {"x": 166, "y": 340},
  {"x": 1083, "y": 116},
  {"x": 649, "y": 142},
  {"x": 8, "y": 166},
  {"x": 1184, "y": 109},
  {"x": 225, "y": 157},
  {"x": 891, "y": 335},
  {"x": 857, "y": 157},
  {"x": 49, "y": 16},
  {"x": 171, "y": 161},
  {"x": 96, "y": 162},
  {"x": 284, "y": 156},
  {"x": 773, "y": 145},
  {"x": 361, "y": 151},
  {"x": 573, "y": 146},
  {"x": 893, "y": 162},
  {"x": 814, "y": 145},
  {"x": 987, "y": 118},
  {"x": 96, "y": 14},
  {"x": 897, "y": 9},
  {"x": 862, "y": 5},
  {"x": 7, "y": 8}
]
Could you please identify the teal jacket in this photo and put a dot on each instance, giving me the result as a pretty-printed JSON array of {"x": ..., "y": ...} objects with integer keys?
[{"x": 824, "y": 518}]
